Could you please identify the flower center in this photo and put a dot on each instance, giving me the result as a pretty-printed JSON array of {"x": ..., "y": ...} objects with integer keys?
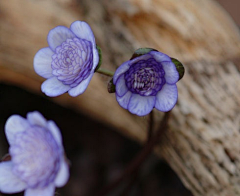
[
  {"x": 72, "y": 61},
  {"x": 35, "y": 155},
  {"x": 145, "y": 77}
]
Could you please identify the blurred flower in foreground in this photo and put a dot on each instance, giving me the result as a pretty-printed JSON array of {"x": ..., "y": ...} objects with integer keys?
[
  {"x": 146, "y": 81},
  {"x": 37, "y": 157},
  {"x": 69, "y": 61}
]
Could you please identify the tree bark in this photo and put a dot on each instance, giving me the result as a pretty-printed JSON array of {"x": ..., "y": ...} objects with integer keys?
[{"x": 202, "y": 144}]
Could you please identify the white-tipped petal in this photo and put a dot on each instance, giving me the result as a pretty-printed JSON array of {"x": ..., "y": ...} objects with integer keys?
[
  {"x": 121, "y": 87},
  {"x": 46, "y": 191},
  {"x": 14, "y": 125},
  {"x": 141, "y": 105},
  {"x": 120, "y": 70},
  {"x": 52, "y": 87},
  {"x": 166, "y": 98},
  {"x": 36, "y": 118},
  {"x": 171, "y": 74},
  {"x": 52, "y": 127},
  {"x": 58, "y": 35},
  {"x": 81, "y": 87},
  {"x": 63, "y": 175},
  {"x": 95, "y": 59},
  {"x": 82, "y": 30},
  {"x": 42, "y": 62},
  {"x": 9, "y": 183},
  {"x": 124, "y": 100}
]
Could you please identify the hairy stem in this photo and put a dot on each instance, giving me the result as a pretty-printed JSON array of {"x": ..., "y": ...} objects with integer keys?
[
  {"x": 105, "y": 72},
  {"x": 135, "y": 174},
  {"x": 150, "y": 129},
  {"x": 139, "y": 158}
]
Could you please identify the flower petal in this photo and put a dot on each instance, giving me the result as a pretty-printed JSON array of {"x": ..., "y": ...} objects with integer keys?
[
  {"x": 52, "y": 87},
  {"x": 9, "y": 183},
  {"x": 82, "y": 30},
  {"x": 42, "y": 62},
  {"x": 166, "y": 99},
  {"x": 36, "y": 118},
  {"x": 81, "y": 87},
  {"x": 121, "y": 87},
  {"x": 159, "y": 56},
  {"x": 141, "y": 105},
  {"x": 120, "y": 70},
  {"x": 124, "y": 100},
  {"x": 15, "y": 124},
  {"x": 58, "y": 35},
  {"x": 142, "y": 57},
  {"x": 171, "y": 73},
  {"x": 63, "y": 175},
  {"x": 52, "y": 127},
  {"x": 95, "y": 59},
  {"x": 46, "y": 191}
]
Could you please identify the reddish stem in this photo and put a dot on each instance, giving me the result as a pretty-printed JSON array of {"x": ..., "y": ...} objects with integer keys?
[{"x": 140, "y": 157}]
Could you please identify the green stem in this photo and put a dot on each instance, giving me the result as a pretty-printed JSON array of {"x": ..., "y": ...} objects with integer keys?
[{"x": 105, "y": 72}]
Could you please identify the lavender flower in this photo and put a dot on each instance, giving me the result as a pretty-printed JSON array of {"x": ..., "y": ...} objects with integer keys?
[
  {"x": 37, "y": 157},
  {"x": 145, "y": 82},
  {"x": 69, "y": 62}
]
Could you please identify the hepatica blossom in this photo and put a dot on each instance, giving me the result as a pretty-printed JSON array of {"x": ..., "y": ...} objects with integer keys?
[
  {"x": 145, "y": 82},
  {"x": 37, "y": 157},
  {"x": 69, "y": 62}
]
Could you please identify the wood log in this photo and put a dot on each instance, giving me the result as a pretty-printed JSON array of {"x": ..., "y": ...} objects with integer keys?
[{"x": 202, "y": 144}]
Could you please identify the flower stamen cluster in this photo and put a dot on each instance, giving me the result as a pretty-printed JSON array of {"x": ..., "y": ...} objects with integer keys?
[
  {"x": 145, "y": 77},
  {"x": 29, "y": 154},
  {"x": 72, "y": 61}
]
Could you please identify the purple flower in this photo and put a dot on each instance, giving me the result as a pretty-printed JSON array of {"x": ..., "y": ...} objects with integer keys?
[
  {"x": 69, "y": 62},
  {"x": 37, "y": 157},
  {"x": 146, "y": 82}
]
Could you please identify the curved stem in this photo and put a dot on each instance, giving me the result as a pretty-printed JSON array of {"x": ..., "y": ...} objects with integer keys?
[
  {"x": 140, "y": 157},
  {"x": 150, "y": 129},
  {"x": 105, "y": 72},
  {"x": 133, "y": 179},
  {"x": 135, "y": 174}
]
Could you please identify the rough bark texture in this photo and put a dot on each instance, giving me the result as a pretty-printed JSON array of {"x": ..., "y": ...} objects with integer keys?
[{"x": 203, "y": 142}]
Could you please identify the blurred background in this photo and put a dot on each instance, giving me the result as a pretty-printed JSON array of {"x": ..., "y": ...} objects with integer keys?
[{"x": 97, "y": 152}]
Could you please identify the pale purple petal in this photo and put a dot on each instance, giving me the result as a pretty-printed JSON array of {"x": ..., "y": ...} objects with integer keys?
[
  {"x": 95, "y": 59},
  {"x": 82, "y": 30},
  {"x": 42, "y": 62},
  {"x": 58, "y": 35},
  {"x": 36, "y": 118},
  {"x": 81, "y": 87},
  {"x": 47, "y": 191},
  {"x": 159, "y": 56},
  {"x": 141, "y": 105},
  {"x": 171, "y": 73},
  {"x": 52, "y": 87},
  {"x": 63, "y": 175},
  {"x": 124, "y": 100},
  {"x": 121, "y": 87},
  {"x": 120, "y": 70},
  {"x": 9, "y": 183},
  {"x": 139, "y": 58},
  {"x": 166, "y": 98},
  {"x": 15, "y": 124},
  {"x": 52, "y": 127}
]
